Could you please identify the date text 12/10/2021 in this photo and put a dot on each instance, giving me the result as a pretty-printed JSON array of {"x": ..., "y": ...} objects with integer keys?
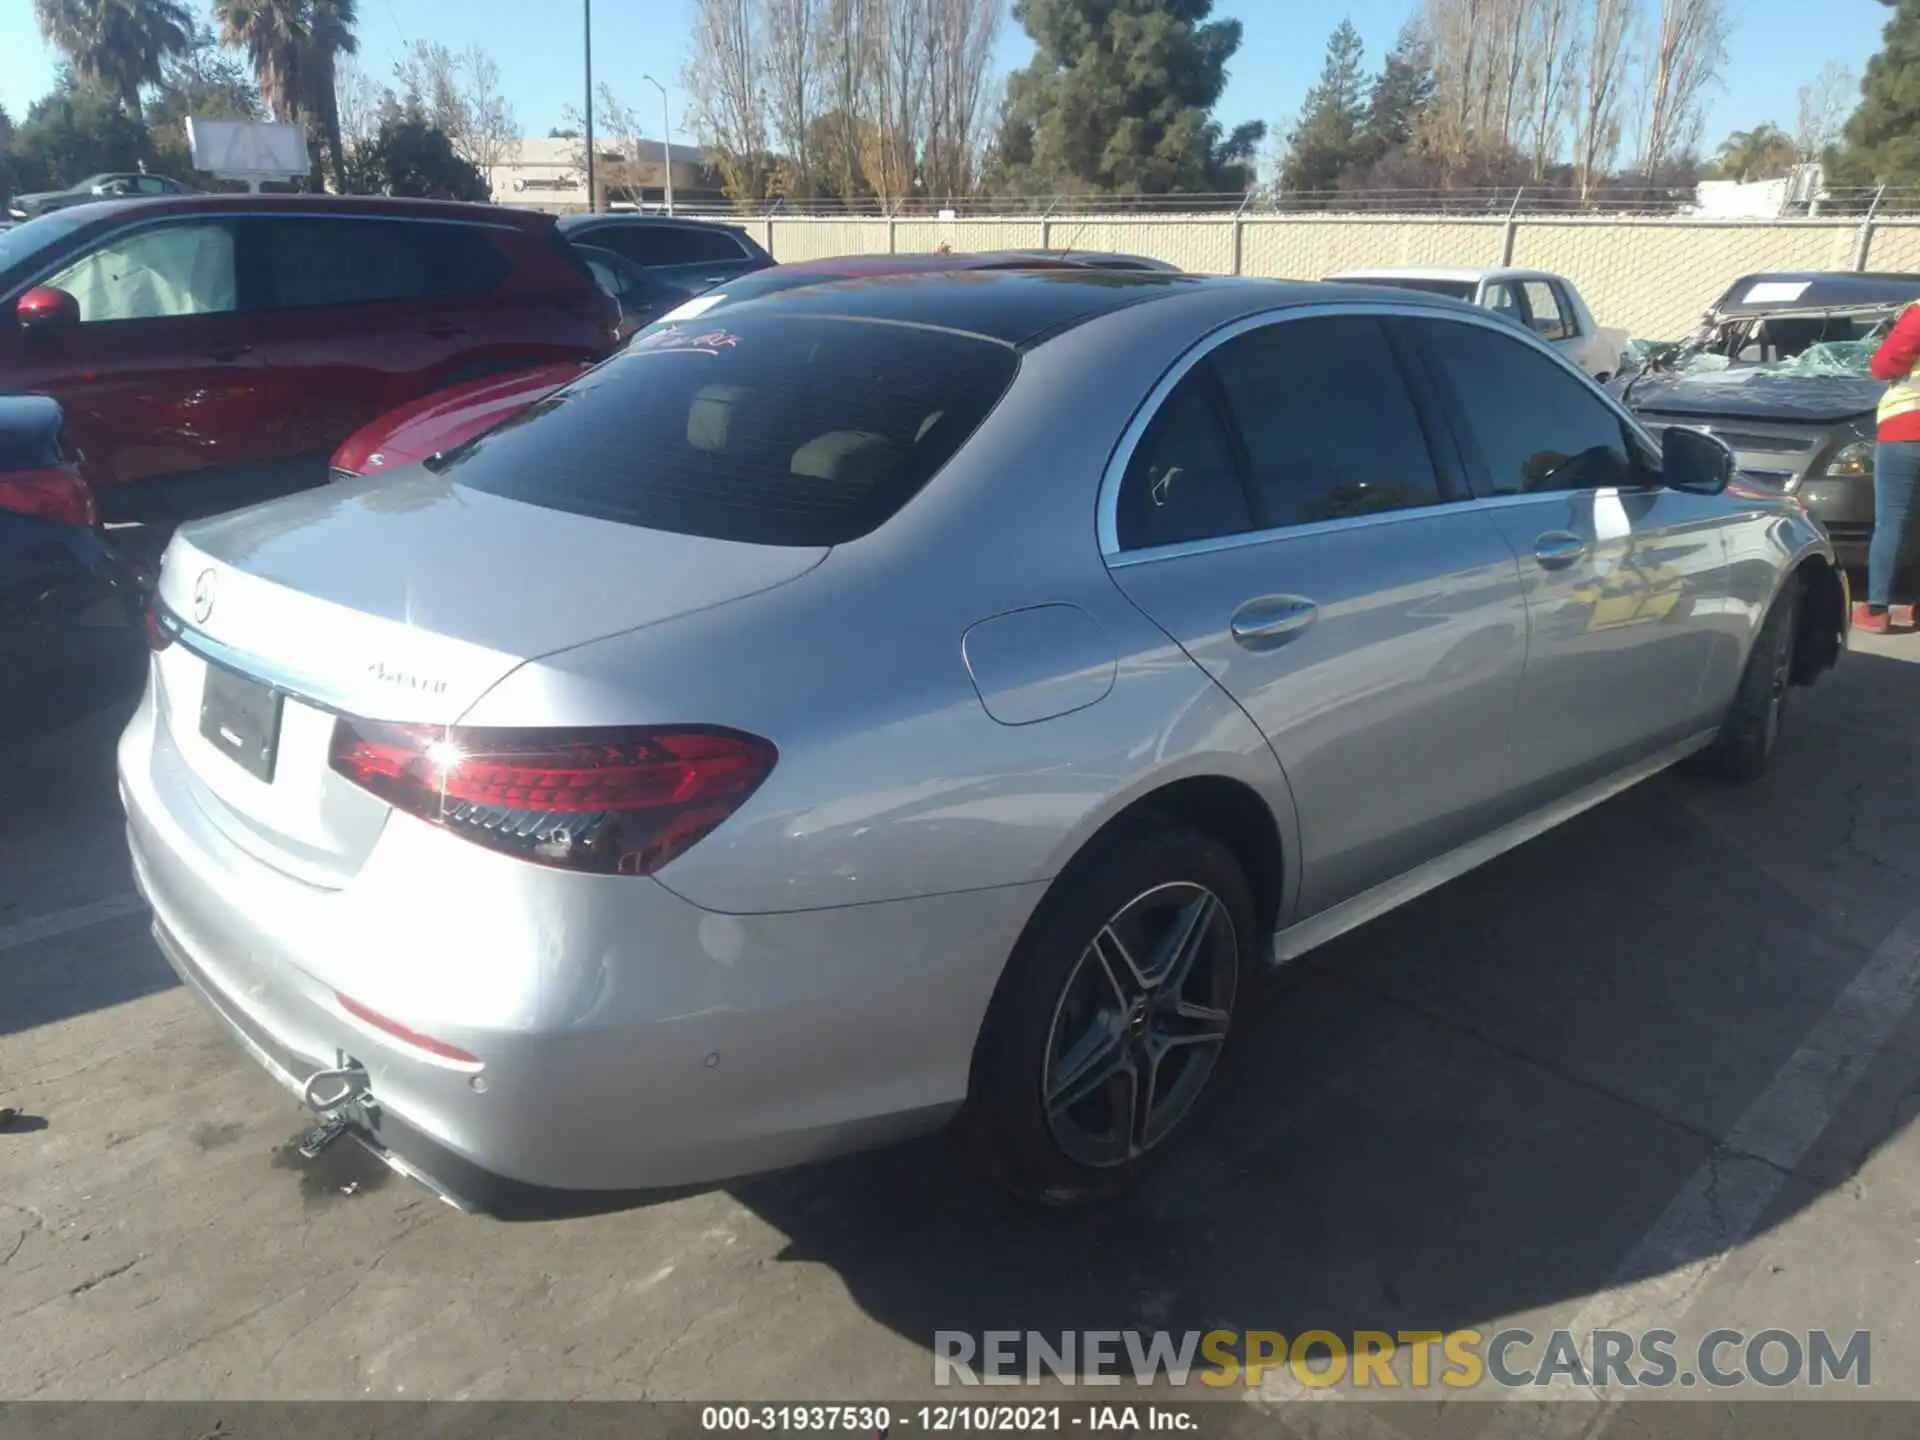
[{"x": 883, "y": 1420}]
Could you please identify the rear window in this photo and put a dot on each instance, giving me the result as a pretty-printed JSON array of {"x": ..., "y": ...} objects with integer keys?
[{"x": 802, "y": 431}]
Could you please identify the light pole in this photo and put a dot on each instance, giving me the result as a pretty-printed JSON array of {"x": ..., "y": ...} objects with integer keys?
[
  {"x": 666, "y": 145},
  {"x": 586, "y": 19}
]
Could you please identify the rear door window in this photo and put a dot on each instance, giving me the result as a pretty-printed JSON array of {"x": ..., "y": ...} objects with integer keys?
[
  {"x": 777, "y": 431},
  {"x": 323, "y": 262},
  {"x": 1329, "y": 427}
]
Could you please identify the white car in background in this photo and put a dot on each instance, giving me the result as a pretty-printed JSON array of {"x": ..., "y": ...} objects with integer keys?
[{"x": 1546, "y": 304}]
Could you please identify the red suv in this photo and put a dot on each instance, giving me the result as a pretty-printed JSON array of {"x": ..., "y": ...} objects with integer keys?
[{"x": 213, "y": 350}]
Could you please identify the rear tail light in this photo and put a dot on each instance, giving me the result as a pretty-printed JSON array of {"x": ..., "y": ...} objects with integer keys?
[
  {"x": 57, "y": 494},
  {"x": 609, "y": 802}
]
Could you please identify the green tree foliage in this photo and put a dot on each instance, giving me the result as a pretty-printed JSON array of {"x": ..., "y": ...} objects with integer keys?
[
  {"x": 1327, "y": 138},
  {"x": 6, "y": 157},
  {"x": 1119, "y": 98},
  {"x": 409, "y": 157},
  {"x": 116, "y": 45},
  {"x": 1766, "y": 152},
  {"x": 294, "y": 48},
  {"x": 1403, "y": 93},
  {"x": 73, "y": 133},
  {"x": 1882, "y": 140}
]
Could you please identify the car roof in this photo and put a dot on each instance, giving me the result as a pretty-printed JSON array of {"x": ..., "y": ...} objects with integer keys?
[
  {"x": 383, "y": 206},
  {"x": 1022, "y": 307},
  {"x": 1464, "y": 274},
  {"x": 604, "y": 219},
  {"x": 1816, "y": 290}
]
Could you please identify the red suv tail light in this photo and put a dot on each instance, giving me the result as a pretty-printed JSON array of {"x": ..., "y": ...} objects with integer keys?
[
  {"x": 610, "y": 802},
  {"x": 57, "y": 494}
]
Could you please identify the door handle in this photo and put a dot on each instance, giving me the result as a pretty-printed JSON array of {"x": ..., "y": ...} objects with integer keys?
[
  {"x": 1557, "y": 549},
  {"x": 1272, "y": 620},
  {"x": 229, "y": 354}
]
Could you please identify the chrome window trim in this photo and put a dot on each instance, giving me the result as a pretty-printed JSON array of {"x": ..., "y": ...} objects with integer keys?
[{"x": 1107, "y": 508}]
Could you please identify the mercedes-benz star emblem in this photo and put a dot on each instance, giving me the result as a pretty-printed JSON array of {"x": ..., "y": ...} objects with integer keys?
[{"x": 203, "y": 597}]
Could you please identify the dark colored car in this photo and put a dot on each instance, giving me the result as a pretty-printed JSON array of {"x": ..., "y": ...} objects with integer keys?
[
  {"x": 457, "y": 415},
  {"x": 70, "y": 605},
  {"x": 214, "y": 350},
  {"x": 1778, "y": 370},
  {"x": 692, "y": 255},
  {"x": 131, "y": 185},
  {"x": 642, "y": 294}
]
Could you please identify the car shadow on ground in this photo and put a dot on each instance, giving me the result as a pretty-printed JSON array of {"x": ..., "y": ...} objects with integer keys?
[{"x": 1472, "y": 1107}]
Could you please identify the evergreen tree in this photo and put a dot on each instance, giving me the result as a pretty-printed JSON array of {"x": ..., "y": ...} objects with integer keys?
[
  {"x": 1402, "y": 92},
  {"x": 1883, "y": 136},
  {"x": 1119, "y": 97},
  {"x": 1327, "y": 138}
]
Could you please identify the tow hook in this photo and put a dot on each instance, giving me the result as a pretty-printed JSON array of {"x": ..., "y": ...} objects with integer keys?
[{"x": 340, "y": 1099}]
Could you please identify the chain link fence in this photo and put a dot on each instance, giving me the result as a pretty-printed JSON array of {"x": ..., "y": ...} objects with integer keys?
[{"x": 1651, "y": 275}]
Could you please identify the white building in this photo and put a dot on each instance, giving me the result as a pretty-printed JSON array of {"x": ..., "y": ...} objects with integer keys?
[{"x": 550, "y": 174}]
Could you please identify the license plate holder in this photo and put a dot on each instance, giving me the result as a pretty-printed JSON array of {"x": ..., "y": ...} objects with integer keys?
[{"x": 240, "y": 717}]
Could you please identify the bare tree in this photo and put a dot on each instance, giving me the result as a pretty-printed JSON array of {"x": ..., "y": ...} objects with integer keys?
[
  {"x": 1685, "y": 51},
  {"x": 793, "y": 44},
  {"x": 358, "y": 100},
  {"x": 847, "y": 62},
  {"x": 1551, "y": 53},
  {"x": 960, "y": 59},
  {"x": 1597, "y": 127},
  {"x": 1823, "y": 111},
  {"x": 725, "y": 64},
  {"x": 459, "y": 93},
  {"x": 899, "y": 89}
]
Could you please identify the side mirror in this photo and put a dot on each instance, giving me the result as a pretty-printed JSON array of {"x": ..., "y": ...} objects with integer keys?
[
  {"x": 45, "y": 308},
  {"x": 1694, "y": 462}
]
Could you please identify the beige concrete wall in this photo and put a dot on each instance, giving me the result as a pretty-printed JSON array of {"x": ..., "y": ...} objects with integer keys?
[{"x": 1650, "y": 277}]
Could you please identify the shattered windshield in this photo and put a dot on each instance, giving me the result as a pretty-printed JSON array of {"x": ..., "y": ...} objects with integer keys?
[{"x": 1790, "y": 344}]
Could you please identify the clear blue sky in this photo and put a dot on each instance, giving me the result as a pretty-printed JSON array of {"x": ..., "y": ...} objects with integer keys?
[{"x": 1776, "y": 46}]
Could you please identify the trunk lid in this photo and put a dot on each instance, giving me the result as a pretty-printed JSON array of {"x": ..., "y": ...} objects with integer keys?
[{"x": 401, "y": 599}]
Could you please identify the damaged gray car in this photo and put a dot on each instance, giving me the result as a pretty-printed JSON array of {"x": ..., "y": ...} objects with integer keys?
[{"x": 1778, "y": 369}]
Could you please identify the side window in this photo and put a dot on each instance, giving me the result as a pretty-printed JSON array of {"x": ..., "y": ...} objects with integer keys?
[
  {"x": 1504, "y": 300},
  {"x": 1543, "y": 306},
  {"x": 709, "y": 242},
  {"x": 152, "y": 185},
  {"x": 666, "y": 244},
  {"x": 1182, "y": 482},
  {"x": 153, "y": 274},
  {"x": 1330, "y": 430},
  {"x": 1534, "y": 426},
  {"x": 335, "y": 262}
]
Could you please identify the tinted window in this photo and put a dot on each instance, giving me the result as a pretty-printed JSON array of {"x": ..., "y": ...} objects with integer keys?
[
  {"x": 324, "y": 262},
  {"x": 1544, "y": 310},
  {"x": 23, "y": 244},
  {"x": 1182, "y": 482},
  {"x": 664, "y": 244},
  {"x": 1328, "y": 426},
  {"x": 781, "y": 432},
  {"x": 153, "y": 274},
  {"x": 1535, "y": 427}
]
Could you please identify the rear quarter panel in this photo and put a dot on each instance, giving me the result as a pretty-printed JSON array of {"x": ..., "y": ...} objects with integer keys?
[{"x": 893, "y": 779}]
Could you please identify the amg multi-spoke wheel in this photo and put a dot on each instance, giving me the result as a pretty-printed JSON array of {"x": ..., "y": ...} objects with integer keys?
[
  {"x": 1141, "y": 1024},
  {"x": 1113, "y": 1013}
]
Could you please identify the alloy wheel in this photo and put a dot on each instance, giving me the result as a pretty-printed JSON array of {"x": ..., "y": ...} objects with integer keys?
[{"x": 1140, "y": 1024}]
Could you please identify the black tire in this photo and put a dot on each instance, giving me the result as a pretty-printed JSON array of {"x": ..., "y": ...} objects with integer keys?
[
  {"x": 1148, "y": 882},
  {"x": 1743, "y": 750}
]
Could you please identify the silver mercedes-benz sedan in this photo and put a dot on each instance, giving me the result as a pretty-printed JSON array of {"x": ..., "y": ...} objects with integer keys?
[{"x": 921, "y": 697}]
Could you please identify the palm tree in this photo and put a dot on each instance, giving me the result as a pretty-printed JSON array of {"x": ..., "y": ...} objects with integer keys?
[
  {"x": 333, "y": 22},
  {"x": 117, "y": 45},
  {"x": 292, "y": 46},
  {"x": 1762, "y": 153}
]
